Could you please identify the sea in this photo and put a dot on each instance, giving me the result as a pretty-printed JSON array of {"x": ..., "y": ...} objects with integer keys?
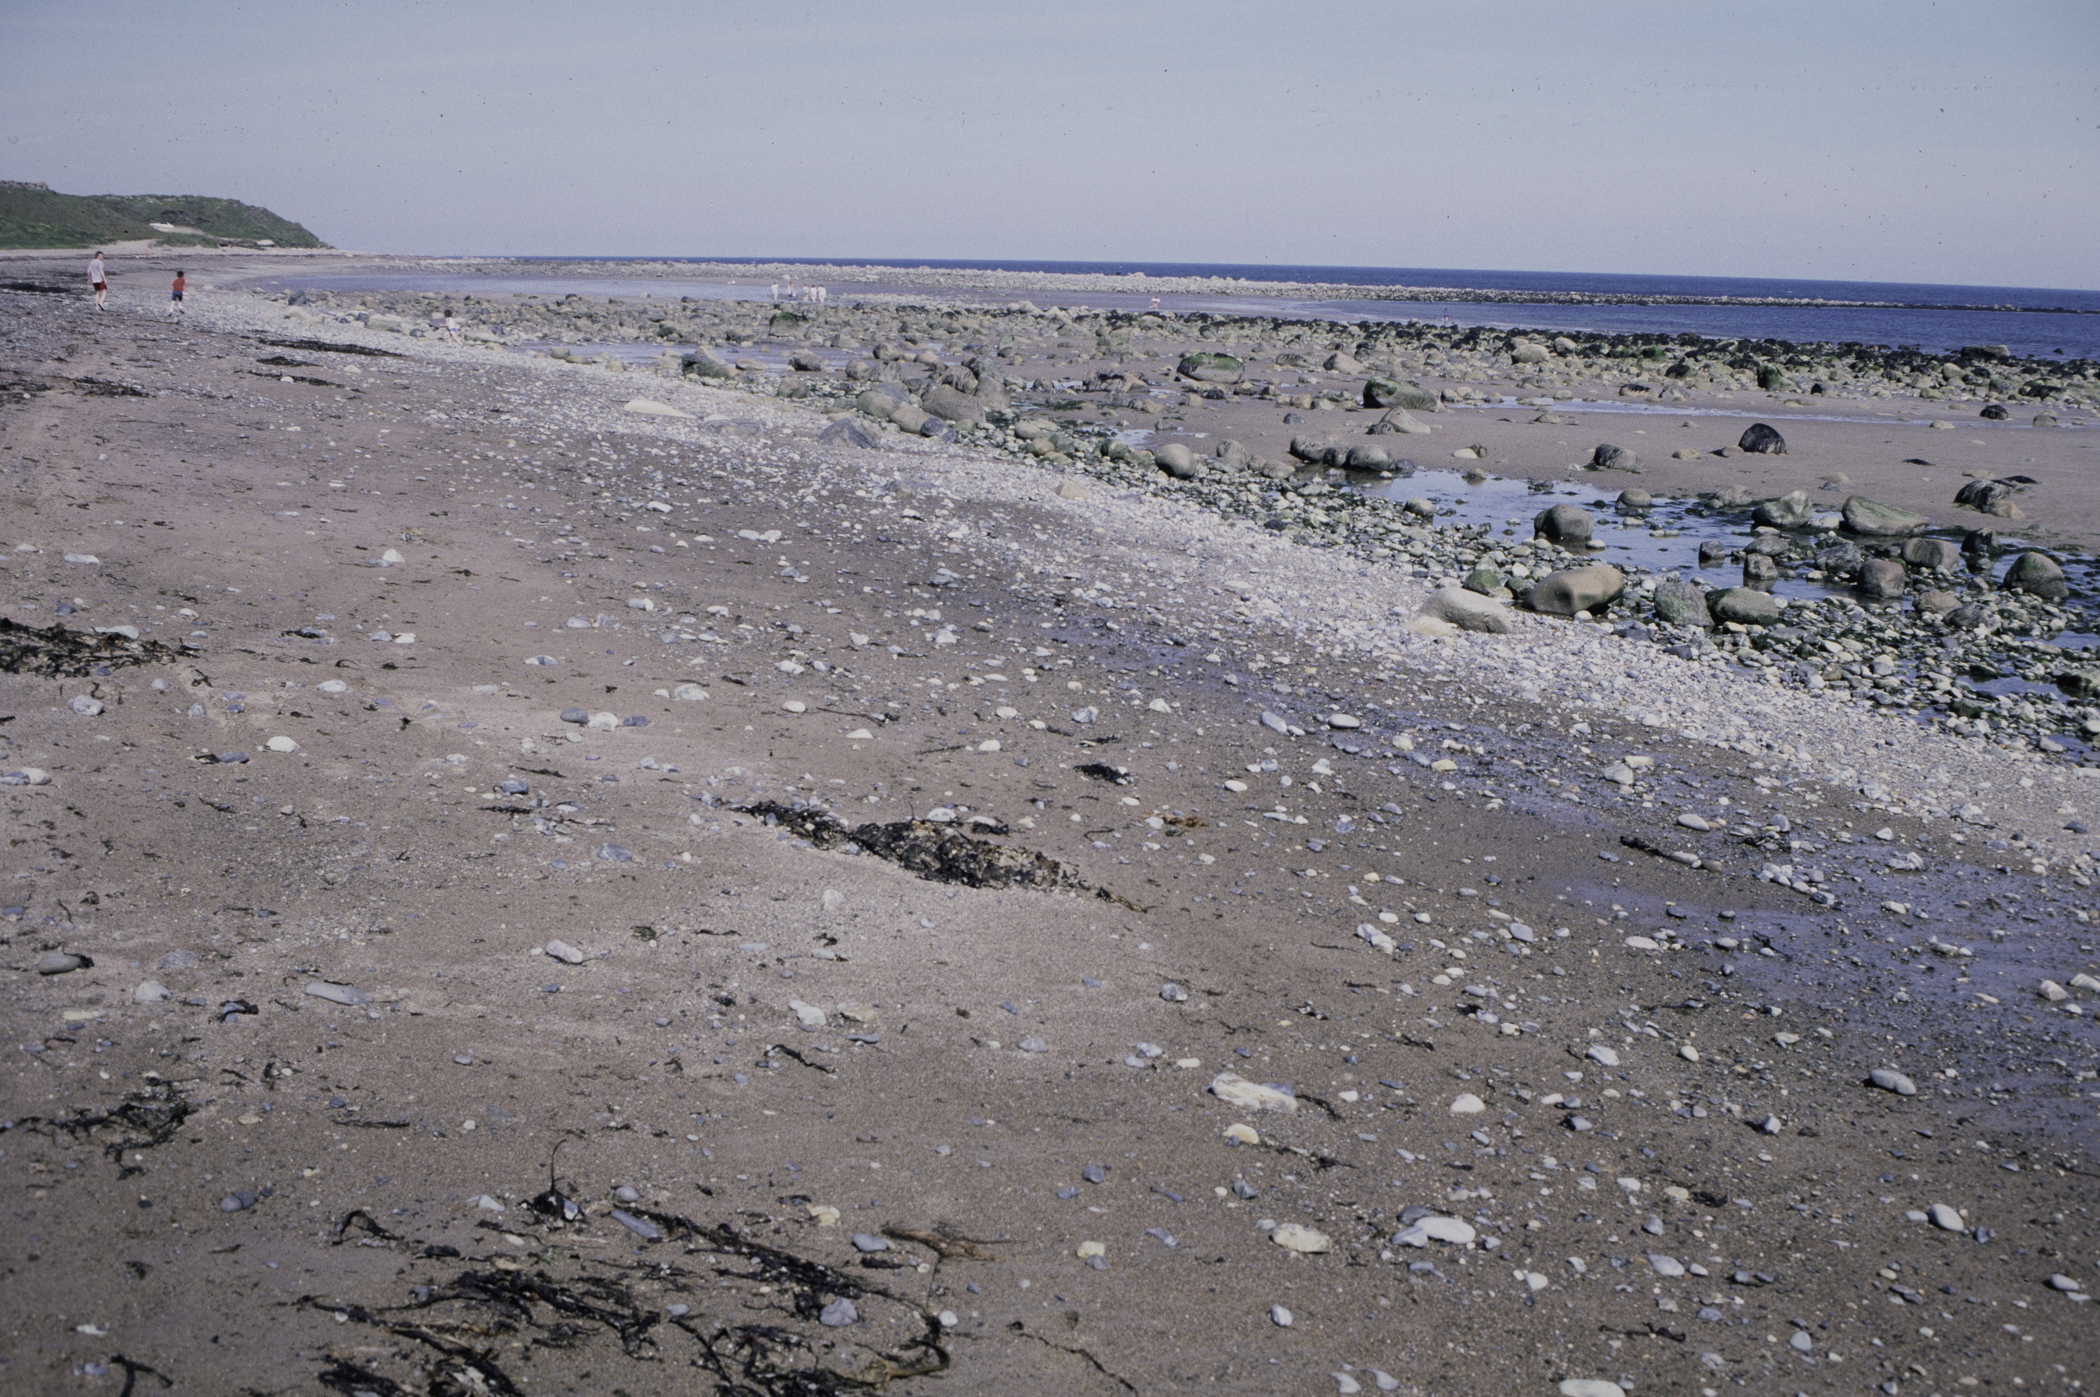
[{"x": 2031, "y": 322}]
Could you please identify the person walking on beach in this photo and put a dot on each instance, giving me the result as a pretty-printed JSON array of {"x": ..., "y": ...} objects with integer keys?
[
  {"x": 98, "y": 282},
  {"x": 175, "y": 303}
]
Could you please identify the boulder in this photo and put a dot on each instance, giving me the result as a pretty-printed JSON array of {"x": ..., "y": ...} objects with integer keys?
[
  {"x": 1565, "y": 524},
  {"x": 1840, "y": 559},
  {"x": 1319, "y": 451},
  {"x": 991, "y": 393},
  {"x": 1762, "y": 439},
  {"x": 878, "y": 404},
  {"x": 1881, "y": 579},
  {"x": 1177, "y": 460},
  {"x": 1933, "y": 602},
  {"x": 1368, "y": 458},
  {"x": 909, "y": 417},
  {"x": 1614, "y": 458},
  {"x": 1341, "y": 363},
  {"x": 1633, "y": 500},
  {"x": 1744, "y": 605},
  {"x": 1760, "y": 570},
  {"x": 1789, "y": 511},
  {"x": 1713, "y": 551},
  {"x": 847, "y": 431},
  {"x": 1934, "y": 554},
  {"x": 1232, "y": 456},
  {"x": 1398, "y": 420},
  {"x": 1979, "y": 543},
  {"x": 1682, "y": 604},
  {"x": 2045, "y": 419},
  {"x": 1994, "y": 412},
  {"x": 1390, "y": 392},
  {"x": 1566, "y": 592},
  {"x": 806, "y": 361},
  {"x": 2038, "y": 575},
  {"x": 1989, "y": 497},
  {"x": 1469, "y": 611},
  {"x": 1525, "y": 352},
  {"x": 1873, "y": 520},
  {"x": 1208, "y": 366},
  {"x": 1484, "y": 579},
  {"x": 951, "y": 404},
  {"x": 704, "y": 363}
]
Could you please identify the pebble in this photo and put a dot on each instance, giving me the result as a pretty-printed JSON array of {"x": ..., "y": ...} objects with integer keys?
[
  {"x": 869, "y": 1242},
  {"x": 1295, "y": 1236},
  {"x": 1945, "y": 1218},
  {"x": 1590, "y": 1387},
  {"x": 640, "y": 1227},
  {"x": 281, "y": 743},
  {"x": 1691, "y": 821},
  {"x": 1173, "y": 993},
  {"x": 1424, "y": 1230},
  {"x": 1688, "y": 1052},
  {"x": 1800, "y": 1342},
  {"x": 239, "y": 1201},
  {"x": 1668, "y": 1266},
  {"x": 1094, "y": 1174},
  {"x": 1467, "y": 1104},
  {"x": 61, "y": 963},
  {"x": 1280, "y": 1317},
  {"x": 1602, "y": 1055},
  {"x": 150, "y": 992},
  {"x": 838, "y": 1314},
  {"x": 2060, "y": 1281},
  {"x": 338, "y": 994},
  {"x": 1345, "y": 1384},
  {"x": 1888, "y": 1079},
  {"x": 563, "y": 951},
  {"x": 85, "y": 706},
  {"x": 809, "y": 1015},
  {"x": 26, "y": 776}
]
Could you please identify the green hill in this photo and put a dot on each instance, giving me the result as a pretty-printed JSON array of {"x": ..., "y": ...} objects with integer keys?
[{"x": 32, "y": 215}]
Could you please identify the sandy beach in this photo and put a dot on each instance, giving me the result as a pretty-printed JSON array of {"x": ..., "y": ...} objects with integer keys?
[{"x": 532, "y": 875}]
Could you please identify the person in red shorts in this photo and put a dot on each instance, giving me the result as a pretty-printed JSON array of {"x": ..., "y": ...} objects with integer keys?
[{"x": 175, "y": 304}]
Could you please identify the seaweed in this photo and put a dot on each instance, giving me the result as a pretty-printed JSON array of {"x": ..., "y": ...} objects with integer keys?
[
  {"x": 57, "y": 653},
  {"x": 934, "y": 852},
  {"x": 146, "y": 1119}
]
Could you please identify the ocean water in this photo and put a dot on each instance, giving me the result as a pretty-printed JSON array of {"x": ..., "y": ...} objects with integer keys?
[{"x": 2033, "y": 322}]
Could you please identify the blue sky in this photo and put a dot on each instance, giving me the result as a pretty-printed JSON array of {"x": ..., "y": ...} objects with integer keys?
[{"x": 1911, "y": 141}]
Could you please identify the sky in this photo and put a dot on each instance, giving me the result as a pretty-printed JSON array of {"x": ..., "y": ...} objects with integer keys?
[{"x": 1914, "y": 140}]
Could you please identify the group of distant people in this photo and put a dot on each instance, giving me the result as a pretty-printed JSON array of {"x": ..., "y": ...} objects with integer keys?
[
  {"x": 808, "y": 295},
  {"x": 98, "y": 286}
]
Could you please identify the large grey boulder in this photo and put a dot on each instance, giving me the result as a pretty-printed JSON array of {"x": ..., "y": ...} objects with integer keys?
[
  {"x": 1232, "y": 456},
  {"x": 806, "y": 361},
  {"x": 1763, "y": 440},
  {"x": 878, "y": 403},
  {"x": 847, "y": 431},
  {"x": 991, "y": 393},
  {"x": 2038, "y": 575},
  {"x": 1614, "y": 458},
  {"x": 1398, "y": 420},
  {"x": 909, "y": 417},
  {"x": 1588, "y": 589},
  {"x": 1840, "y": 559},
  {"x": 1390, "y": 392},
  {"x": 1990, "y": 497},
  {"x": 1874, "y": 520},
  {"x": 1319, "y": 451},
  {"x": 1565, "y": 524},
  {"x": 1469, "y": 611},
  {"x": 1937, "y": 554},
  {"x": 1209, "y": 366},
  {"x": 1341, "y": 363},
  {"x": 1881, "y": 579},
  {"x": 1177, "y": 460},
  {"x": 1368, "y": 458},
  {"x": 1760, "y": 569},
  {"x": 1789, "y": 511},
  {"x": 704, "y": 363},
  {"x": 1743, "y": 605},
  {"x": 1682, "y": 604},
  {"x": 951, "y": 404},
  {"x": 1526, "y": 352}
]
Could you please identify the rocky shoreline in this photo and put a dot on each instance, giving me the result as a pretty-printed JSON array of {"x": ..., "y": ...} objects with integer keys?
[{"x": 544, "y": 870}]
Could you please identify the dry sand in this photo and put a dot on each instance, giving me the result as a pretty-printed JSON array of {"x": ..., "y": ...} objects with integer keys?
[{"x": 247, "y": 1186}]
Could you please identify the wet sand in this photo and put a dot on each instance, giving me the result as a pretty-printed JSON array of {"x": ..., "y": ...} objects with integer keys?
[{"x": 775, "y": 1043}]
